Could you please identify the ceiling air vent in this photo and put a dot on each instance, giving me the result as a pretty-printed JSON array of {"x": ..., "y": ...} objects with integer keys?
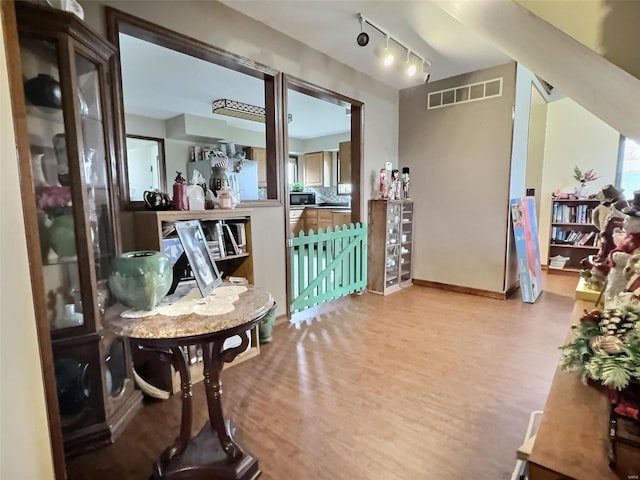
[{"x": 465, "y": 93}]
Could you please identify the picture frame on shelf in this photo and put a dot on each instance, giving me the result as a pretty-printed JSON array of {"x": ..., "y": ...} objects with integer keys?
[{"x": 203, "y": 266}]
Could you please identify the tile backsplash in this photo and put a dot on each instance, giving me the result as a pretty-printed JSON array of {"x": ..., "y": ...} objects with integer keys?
[
  {"x": 323, "y": 194},
  {"x": 327, "y": 194}
]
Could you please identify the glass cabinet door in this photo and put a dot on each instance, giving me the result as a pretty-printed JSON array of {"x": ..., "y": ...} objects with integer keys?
[
  {"x": 95, "y": 176},
  {"x": 51, "y": 182},
  {"x": 406, "y": 241},
  {"x": 394, "y": 228}
]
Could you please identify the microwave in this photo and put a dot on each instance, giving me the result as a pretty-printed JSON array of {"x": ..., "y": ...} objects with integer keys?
[{"x": 302, "y": 198}]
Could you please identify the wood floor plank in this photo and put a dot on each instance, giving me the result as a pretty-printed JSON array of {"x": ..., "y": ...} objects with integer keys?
[{"x": 422, "y": 384}]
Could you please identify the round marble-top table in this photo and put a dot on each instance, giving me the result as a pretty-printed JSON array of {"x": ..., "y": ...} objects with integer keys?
[{"x": 185, "y": 320}]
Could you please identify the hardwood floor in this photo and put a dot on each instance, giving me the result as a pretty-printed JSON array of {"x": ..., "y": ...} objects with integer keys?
[{"x": 421, "y": 384}]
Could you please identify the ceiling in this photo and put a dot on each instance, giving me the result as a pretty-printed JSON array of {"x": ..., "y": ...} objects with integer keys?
[
  {"x": 332, "y": 26},
  {"x": 184, "y": 84}
]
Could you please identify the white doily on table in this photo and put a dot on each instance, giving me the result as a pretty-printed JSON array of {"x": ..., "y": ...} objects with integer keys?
[{"x": 218, "y": 302}]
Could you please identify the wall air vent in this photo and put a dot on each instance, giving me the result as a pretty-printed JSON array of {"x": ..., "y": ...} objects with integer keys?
[{"x": 465, "y": 93}]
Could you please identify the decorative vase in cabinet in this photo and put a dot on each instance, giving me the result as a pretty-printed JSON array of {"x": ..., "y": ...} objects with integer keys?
[{"x": 68, "y": 118}]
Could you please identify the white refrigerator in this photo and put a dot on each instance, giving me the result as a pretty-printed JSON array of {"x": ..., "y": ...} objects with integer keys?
[{"x": 245, "y": 181}]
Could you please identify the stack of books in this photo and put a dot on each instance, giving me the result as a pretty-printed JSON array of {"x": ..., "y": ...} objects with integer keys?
[
  {"x": 214, "y": 248},
  {"x": 558, "y": 262}
]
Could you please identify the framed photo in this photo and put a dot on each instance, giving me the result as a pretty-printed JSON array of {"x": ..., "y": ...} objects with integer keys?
[{"x": 202, "y": 264}]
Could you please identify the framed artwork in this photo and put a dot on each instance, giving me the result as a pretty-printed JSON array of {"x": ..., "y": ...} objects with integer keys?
[
  {"x": 202, "y": 264},
  {"x": 525, "y": 231}
]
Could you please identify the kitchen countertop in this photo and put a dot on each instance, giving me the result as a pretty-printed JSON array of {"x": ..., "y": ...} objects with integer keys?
[{"x": 302, "y": 207}]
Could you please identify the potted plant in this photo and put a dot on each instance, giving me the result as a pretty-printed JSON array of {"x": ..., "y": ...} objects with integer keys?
[
  {"x": 297, "y": 187},
  {"x": 606, "y": 347}
]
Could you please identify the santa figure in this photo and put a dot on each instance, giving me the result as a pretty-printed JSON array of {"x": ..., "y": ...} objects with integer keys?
[{"x": 620, "y": 256}]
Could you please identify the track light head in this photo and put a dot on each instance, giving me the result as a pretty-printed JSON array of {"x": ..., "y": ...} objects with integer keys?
[
  {"x": 410, "y": 66},
  {"x": 427, "y": 74},
  {"x": 387, "y": 54},
  {"x": 363, "y": 39}
]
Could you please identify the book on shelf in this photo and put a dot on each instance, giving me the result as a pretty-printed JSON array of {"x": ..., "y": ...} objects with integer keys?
[
  {"x": 571, "y": 213},
  {"x": 238, "y": 230},
  {"x": 220, "y": 239},
  {"x": 560, "y": 236},
  {"x": 232, "y": 241},
  {"x": 586, "y": 237}
]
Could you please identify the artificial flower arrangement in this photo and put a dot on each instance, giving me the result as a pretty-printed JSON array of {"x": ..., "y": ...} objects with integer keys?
[
  {"x": 606, "y": 347},
  {"x": 54, "y": 200},
  {"x": 586, "y": 177}
]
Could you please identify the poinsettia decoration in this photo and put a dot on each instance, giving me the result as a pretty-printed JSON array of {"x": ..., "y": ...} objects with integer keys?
[{"x": 606, "y": 347}]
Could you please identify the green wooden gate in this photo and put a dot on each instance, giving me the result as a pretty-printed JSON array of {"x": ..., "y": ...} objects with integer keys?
[{"x": 327, "y": 265}]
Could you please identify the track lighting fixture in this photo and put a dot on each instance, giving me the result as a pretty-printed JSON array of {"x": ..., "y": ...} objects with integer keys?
[
  {"x": 410, "y": 65},
  {"x": 425, "y": 73},
  {"x": 387, "y": 54},
  {"x": 363, "y": 37},
  {"x": 413, "y": 59}
]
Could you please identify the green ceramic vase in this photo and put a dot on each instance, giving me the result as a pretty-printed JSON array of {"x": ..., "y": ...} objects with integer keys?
[
  {"x": 140, "y": 279},
  {"x": 62, "y": 237}
]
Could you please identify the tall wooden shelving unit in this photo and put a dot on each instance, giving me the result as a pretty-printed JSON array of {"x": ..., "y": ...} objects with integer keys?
[
  {"x": 390, "y": 245},
  {"x": 152, "y": 229},
  {"x": 572, "y": 215}
]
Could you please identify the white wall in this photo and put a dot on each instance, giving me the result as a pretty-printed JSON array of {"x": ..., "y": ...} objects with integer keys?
[
  {"x": 573, "y": 137},
  {"x": 25, "y": 451}
]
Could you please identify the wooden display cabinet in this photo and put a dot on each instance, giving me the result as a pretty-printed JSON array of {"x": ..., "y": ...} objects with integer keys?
[
  {"x": 390, "y": 245},
  {"x": 572, "y": 233},
  {"x": 154, "y": 231},
  {"x": 70, "y": 166}
]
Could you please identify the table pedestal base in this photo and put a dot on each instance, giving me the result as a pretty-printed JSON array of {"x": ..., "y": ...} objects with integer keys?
[{"x": 204, "y": 458}]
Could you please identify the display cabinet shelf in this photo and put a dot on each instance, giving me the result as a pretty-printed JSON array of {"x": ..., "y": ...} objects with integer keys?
[{"x": 389, "y": 250}]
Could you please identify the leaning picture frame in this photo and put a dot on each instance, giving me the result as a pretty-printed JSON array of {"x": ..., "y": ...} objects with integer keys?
[{"x": 204, "y": 268}]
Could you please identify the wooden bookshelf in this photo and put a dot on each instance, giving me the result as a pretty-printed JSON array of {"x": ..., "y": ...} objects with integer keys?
[
  {"x": 151, "y": 228},
  {"x": 571, "y": 224}
]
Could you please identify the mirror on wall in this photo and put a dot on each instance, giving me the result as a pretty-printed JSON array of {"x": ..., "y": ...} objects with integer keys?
[
  {"x": 145, "y": 159},
  {"x": 208, "y": 108},
  {"x": 201, "y": 110}
]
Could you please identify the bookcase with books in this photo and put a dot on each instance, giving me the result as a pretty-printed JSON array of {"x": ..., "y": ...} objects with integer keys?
[
  {"x": 228, "y": 234},
  {"x": 572, "y": 235}
]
